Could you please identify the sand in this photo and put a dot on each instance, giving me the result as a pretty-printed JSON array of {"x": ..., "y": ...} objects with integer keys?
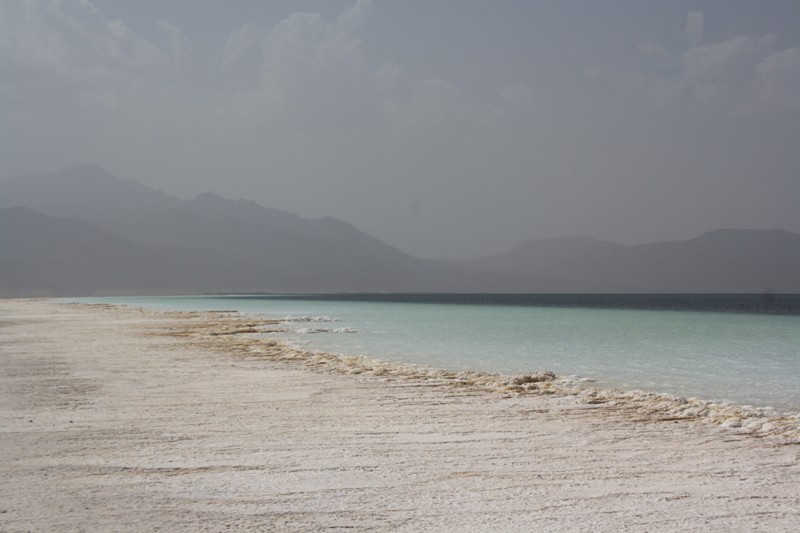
[{"x": 124, "y": 420}]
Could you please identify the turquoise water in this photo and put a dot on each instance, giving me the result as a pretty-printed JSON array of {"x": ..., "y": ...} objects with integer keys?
[{"x": 739, "y": 357}]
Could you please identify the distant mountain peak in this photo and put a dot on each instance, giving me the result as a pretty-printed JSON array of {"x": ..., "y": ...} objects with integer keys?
[
  {"x": 208, "y": 197},
  {"x": 77, "y": 188}
]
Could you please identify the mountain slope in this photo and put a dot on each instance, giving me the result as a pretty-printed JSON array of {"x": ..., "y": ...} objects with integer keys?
[
  {"x": 718, "y": 261},
  {"x": 80, "y": 191},
  {"x": 44, "y": 254},
  {"x": 569, "y": 264},
  {"x": 216, "y": 244},
  {"x": 724, "y": 261},
  {"x": 114, "y": 234}
]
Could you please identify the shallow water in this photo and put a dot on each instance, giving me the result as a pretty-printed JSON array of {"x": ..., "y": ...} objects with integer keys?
[{"x": 712, "y": 348}]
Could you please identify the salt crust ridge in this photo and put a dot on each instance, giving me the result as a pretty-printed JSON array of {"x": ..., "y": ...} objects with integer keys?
[{"x": 242, "y": 335}]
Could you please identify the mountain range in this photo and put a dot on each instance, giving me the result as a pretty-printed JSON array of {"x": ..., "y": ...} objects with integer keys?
[{"x": 84, "y": 231}]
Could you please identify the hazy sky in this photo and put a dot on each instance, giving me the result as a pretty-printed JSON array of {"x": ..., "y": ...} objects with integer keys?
[{"x": 445, "y": 128}]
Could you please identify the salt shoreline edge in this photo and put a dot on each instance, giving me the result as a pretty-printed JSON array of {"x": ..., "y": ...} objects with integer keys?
[{"x": 242, "y": 335}]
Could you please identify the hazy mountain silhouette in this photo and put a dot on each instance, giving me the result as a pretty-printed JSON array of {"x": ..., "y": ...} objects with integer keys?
[
  {"x": 43, "y": 254},
  {"x": 91, "y": 231},
  {"x": 83, "y": 191},
  {"x": 214, "y": 244},
  {"x": 717, "y": 261}
]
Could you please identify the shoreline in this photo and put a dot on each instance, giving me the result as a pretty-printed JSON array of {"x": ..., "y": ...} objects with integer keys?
[
  {"x": 783, "y": 426},
  {"x": 132, "y": 419},
  {"x": 646, "y": 354}
]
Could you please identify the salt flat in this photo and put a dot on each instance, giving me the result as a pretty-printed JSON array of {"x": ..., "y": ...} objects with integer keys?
[{"x": 123, "y": 420}]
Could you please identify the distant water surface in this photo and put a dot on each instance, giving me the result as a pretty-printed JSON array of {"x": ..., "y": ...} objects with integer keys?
[{"x": 743, "y": 349}]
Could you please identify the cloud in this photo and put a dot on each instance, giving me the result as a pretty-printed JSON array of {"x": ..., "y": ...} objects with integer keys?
[
  {"x": 74, "y": 39},
  {"x": 778, "y": 82},
  {"x": 722, "y": 74},
  {"x": 694, "y": 28},
  {"x": 738, "y": 76},
  {"x": 64, "y": 57},
  {"x": 309, "y": 69},
  {"x": 178, "y": 43},
  {"x": 304, "y": 53},
  {"x": 314, "y": 71},
  {"x": 518, "y": 95},
  {"x": 305, "y": 82},
  {"x": 724, "y": 63},
  {"x": 355, "y": 16},
  {"x": 239, "y": 43},
  {"x": 434, "y": 99},
  {"x": 392, "y": 83}
]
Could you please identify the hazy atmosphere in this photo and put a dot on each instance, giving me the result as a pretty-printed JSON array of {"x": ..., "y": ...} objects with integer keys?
[
  {"x": 444, "y": 128},
  {"x": 399, "y": 265}
]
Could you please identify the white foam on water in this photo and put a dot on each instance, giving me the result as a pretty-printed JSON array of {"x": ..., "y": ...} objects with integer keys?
[
  {"x": 290, "y": 318},
  {"x": 327, "y": 330}
]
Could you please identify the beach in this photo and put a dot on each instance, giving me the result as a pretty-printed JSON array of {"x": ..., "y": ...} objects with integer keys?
[{"x": 130, "y": 420}]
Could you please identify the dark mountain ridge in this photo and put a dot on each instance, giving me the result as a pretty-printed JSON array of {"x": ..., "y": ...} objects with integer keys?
[{"x": 91, "y": 231}]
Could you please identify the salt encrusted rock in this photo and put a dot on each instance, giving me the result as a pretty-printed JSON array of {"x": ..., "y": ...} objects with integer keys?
[
  {"x": 767, "y": 427},
  {"x": 680, "y": 400},
  {"x": 533, "y": 378},
  {"x": 732, "y": 422}
]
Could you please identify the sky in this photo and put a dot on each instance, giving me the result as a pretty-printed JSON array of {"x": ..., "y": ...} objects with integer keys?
[{"x": 446, "y": 128}]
